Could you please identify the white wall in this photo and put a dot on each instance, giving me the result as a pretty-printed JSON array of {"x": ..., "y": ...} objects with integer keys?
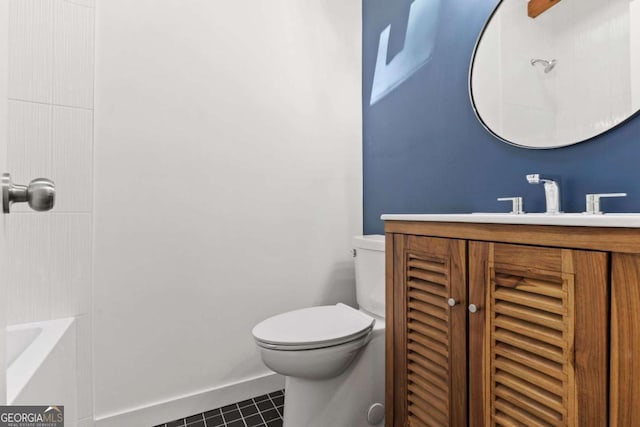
[
  {"x": 634, "y": 52},
  {"x": 50, "y": 134},
  {"x": 4, "y": 59},
  {"x": 228, "y": 185}
]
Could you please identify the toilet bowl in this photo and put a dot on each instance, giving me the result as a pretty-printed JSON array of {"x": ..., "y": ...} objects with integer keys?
[
  {"x": 333, "y": 356},
  {"x": 313, "y": 343}
]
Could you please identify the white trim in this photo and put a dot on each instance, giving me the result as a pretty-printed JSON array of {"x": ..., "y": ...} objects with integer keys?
[
  {"x": 86, "y": 422},
  {"x": 4, "y": 116},
  {"x": 184, "y": 406}
]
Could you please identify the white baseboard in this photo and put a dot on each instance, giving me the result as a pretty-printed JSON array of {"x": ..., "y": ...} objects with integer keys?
[
  {"x": 180, "y": 407},
  {"x": 86, "y": 422}
]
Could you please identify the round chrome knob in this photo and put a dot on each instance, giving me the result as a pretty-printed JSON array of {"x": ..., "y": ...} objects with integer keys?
[
  {"x": 40, "y": 194},
  {"x": 451, "y": 302},
  {"x": 473, "y": 308}
]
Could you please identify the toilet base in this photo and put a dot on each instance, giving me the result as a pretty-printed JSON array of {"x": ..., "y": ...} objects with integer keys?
[{"x": 343, "y": 401}]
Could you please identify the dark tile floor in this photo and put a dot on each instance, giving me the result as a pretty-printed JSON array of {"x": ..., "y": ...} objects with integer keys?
[{"x": 262, "y": 411}]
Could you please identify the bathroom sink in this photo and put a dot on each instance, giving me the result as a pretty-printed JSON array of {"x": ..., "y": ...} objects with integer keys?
[{"x": 625, "y": 220}]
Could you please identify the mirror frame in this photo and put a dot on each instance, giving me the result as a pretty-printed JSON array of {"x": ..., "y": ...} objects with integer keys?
[{"x": 494, "y": 134}]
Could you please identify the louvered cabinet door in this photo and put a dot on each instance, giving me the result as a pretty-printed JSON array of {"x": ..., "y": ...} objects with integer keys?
[
  {"x": 426, "y": 349},
  {"x": 538, "y": 343}
]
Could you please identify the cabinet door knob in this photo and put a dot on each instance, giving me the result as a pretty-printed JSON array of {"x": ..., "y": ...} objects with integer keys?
[
  {"x": 451, "y": 302},
  {"x": 473, "y": 308}
]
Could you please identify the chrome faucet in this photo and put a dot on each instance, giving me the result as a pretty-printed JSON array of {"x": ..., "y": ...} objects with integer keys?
[{"x": 551, "y": 192}]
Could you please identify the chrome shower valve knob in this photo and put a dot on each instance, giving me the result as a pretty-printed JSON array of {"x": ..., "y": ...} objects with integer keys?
[{"x": 40, "y": 194}]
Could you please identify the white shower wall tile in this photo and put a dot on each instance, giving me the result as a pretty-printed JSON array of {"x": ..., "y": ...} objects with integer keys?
[
  {"x": 50, "y": 271},
  {"x": 70, "y": 264},
  {"x": 73, "y": 54},
  {"x": 31, "y": 50},
  {"x": 28, "y": 281},
  {"x": 85, "y": 3},
  {"x": 28, "y": 144},
  {"x": 72, "y": 168},
  {"x": 85, "y": 367},
  {"x": 50, "y": 134}
]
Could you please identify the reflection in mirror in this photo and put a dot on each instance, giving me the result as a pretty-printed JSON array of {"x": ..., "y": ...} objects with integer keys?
[{"x": 566, "y": 76}]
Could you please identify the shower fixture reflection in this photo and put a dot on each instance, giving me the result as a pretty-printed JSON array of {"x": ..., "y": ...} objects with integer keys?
[{"x": 548, "y": 65}]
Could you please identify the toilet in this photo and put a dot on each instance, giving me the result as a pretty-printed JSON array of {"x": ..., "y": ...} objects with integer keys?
[{"x": 333, "y": 356}]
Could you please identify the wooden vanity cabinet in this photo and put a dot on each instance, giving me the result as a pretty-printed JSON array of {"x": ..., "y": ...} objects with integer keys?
[{"x": 542, "y": 347}]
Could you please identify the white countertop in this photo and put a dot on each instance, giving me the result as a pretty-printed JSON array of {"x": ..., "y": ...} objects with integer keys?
[{"x": 624, "y": 220}]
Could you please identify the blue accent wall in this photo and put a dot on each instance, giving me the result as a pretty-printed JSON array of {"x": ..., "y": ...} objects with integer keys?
[{"x": 425, "y": 151}]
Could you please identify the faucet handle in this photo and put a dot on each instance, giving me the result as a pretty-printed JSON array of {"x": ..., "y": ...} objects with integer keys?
[
  {"x": 517, "y": 204},
  {"x": 533, "y": 178},
  {"x": 593, "y": 202}
]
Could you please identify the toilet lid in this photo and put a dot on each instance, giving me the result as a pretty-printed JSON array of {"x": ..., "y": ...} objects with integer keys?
[{"x": 313, "y": 327}]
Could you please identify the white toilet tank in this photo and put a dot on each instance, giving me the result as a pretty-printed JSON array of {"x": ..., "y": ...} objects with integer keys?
[{"x": 370, "y": 278}]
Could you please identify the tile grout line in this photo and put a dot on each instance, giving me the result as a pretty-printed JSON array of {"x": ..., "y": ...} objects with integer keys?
[
  {"x": 50, "y": 104},
  {"x": 52, "y": 131},
  {"x": 242, "y": 416},
  {"x": 253, "y": 403},
  {"x": 260, "y": 411},
  {"x": 186, "y": 424},
  {"x": 206, "y": 423},
  {"x": 79, "y": 4},
  {"x": 275, "y": 406},
  {"x": 224, "y": 419},
  {"x": 241, "y": 413}
]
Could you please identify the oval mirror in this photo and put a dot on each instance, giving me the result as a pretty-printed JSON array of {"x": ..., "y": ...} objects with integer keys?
[{"x": 551, "y": 73}]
